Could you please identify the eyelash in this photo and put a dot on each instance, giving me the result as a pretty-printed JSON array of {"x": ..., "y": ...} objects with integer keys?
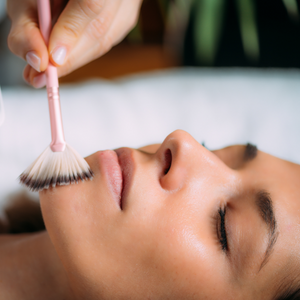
[{"x": 221, "y": 229}]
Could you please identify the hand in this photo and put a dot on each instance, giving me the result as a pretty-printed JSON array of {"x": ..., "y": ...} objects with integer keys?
[{"x": 84, "y": 31}]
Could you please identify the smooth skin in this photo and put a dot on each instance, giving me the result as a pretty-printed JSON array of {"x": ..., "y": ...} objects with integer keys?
[
  {"x": 164, "y": 242},
  {"x": 84, "y": 31}
]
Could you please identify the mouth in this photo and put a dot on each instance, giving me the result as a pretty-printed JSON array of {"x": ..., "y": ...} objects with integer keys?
[
  {"x": 117, "y": 167},
  {"x": 127, "y": 167},
  {"x": 111, "y": 169}
]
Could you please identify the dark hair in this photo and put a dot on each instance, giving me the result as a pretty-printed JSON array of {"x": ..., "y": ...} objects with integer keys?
[{"x": 290, "y": 294}]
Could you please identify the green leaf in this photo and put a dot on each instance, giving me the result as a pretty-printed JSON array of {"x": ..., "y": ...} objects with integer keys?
[
  {"x": 248, "y": 27},
  {"x": 209, "y": 15}
]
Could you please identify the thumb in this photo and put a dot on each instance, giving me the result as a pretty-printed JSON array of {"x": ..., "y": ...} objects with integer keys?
[{"x": 70, "y": 26}]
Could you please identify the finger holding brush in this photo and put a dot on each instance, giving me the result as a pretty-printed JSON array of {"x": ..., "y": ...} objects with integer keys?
[
  {"x": 59, "y": 164},
  {"x": 84, "y": 31}
]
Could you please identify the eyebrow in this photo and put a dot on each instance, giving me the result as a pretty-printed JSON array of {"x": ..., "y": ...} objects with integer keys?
[
  {"x": 264, "y": 204},
  {"x": 250, "y": 152}
]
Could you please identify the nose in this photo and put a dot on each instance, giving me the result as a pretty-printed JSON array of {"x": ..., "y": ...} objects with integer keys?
[{"x": 183, "y": 160}]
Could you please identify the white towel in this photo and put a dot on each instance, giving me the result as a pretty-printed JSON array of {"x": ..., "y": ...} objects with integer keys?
[{"x": 220, "y": 107}]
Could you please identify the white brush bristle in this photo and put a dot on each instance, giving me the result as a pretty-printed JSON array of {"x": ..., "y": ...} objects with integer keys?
[{"x": 56, "y": 168}]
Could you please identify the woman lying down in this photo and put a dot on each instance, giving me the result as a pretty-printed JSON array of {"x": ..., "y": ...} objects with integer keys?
[{"x": 169, "y": 221}]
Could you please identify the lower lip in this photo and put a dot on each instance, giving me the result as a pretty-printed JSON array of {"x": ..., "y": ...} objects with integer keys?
[{"x": 109, "y": 164}]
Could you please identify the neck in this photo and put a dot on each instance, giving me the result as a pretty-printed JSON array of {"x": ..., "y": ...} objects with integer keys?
[{"x": 31, "y": 269}]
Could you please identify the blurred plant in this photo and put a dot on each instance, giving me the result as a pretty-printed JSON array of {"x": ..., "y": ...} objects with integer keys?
[
  {"x": 209, "y": 17},
  {"x": 207, "y": 29},
  {"x": 248, "y": 28},
  {"x": 292, "y": 9}
]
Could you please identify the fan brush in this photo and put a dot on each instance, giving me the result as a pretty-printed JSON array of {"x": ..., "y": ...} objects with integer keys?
[{"x": 59, "y": 164}]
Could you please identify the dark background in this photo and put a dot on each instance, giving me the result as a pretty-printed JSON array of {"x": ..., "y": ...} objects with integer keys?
[
  {"x": 279, "y": 38},
  {"x": 155, "y": 43}
]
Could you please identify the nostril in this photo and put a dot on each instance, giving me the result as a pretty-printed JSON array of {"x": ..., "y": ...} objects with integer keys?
[{"x": 167, "y": 161}]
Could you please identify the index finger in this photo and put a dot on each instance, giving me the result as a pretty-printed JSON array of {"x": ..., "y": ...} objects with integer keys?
[{"x": 25, "y": 39}]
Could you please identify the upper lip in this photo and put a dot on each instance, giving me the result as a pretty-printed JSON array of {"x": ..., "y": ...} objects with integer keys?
[{"x": 127, "y": 167}]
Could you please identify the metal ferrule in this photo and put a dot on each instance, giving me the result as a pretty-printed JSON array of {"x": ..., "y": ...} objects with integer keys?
[{"x": 58, "y": 142}]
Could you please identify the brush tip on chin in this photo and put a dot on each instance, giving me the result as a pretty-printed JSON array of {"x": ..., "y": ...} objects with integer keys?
[{"x": 51, "y": 169}]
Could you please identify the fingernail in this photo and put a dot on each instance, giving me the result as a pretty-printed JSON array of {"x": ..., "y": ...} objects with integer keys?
[
  {"x": 59, "y": 55},
  {"x": 39, "y": 81},
  {"x": 33, "y": 60}
]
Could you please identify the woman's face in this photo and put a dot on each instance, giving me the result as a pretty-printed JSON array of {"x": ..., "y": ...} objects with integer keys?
[{"x": 177, "y": 221}]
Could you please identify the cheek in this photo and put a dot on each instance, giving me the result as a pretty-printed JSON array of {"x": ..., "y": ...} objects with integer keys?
[
  {"x": 150, "y": 148},
  {"x": 185, "y": 257}
]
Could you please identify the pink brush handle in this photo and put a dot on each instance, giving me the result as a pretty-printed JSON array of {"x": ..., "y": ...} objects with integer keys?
[{"x": 58, "y": 142}]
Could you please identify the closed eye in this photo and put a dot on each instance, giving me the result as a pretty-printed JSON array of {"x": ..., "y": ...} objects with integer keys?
[{"x": 221, "y": 229}]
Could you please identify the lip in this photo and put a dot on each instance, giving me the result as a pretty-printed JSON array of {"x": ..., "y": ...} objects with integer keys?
[
  {"x": 111, "y": 169},
  {"x": 127, "y": 167}
]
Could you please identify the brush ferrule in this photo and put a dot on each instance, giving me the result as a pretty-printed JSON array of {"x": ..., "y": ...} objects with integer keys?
[{"x": 58, "y": 142}]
